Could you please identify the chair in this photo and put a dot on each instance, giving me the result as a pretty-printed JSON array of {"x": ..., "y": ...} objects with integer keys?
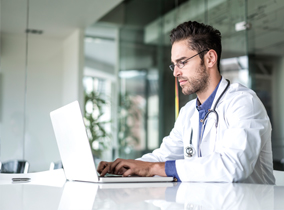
[
  {"x": 279, "y": 177},
  {"x": 15, "y": 167},
  {"x": 55, "y": 165}
]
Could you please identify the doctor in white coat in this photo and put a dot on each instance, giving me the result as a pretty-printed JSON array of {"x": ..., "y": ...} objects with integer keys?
[{"x": 224, "y": 135}]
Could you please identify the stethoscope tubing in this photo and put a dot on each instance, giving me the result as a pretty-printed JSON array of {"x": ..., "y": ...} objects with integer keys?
[
  {"x": 190, "y": 147},
  {"x": 206, "y": 117},
  {"x": 215, "y": 105}
]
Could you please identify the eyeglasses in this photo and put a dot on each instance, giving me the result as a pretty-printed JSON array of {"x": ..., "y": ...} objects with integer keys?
[{"x": 180, "y": 64}]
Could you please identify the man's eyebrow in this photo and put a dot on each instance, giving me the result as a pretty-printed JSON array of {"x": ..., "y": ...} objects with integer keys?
[{"x": 177, "y": 60}]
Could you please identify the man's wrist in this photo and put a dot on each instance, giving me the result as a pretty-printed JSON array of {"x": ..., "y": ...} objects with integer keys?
[{"x": 158, "y": 168}]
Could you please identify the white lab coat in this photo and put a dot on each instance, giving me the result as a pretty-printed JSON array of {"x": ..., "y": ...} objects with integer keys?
[{"x": 239, "y": 150}]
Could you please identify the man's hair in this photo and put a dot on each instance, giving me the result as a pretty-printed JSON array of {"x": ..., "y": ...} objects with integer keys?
[{"x": 200, "y": 37}]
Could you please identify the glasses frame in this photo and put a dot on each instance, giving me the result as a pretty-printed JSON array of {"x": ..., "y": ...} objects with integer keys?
[{"x": 181, "y": 64}]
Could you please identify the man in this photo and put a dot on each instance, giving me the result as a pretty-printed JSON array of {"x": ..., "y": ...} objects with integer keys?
[{"x": 222, "y": 136}]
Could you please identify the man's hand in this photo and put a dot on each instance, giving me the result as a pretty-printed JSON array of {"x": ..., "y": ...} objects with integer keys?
[
  {"x": 132, "y": 167},
  {"x": 103, "y": 167}
]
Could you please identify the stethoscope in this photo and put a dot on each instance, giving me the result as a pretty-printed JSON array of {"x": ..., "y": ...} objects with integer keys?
[{"x": 189, "y": 150}]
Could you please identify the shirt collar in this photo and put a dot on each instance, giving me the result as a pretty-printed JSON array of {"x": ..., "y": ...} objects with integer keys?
[{"x": 208, "y": 103}]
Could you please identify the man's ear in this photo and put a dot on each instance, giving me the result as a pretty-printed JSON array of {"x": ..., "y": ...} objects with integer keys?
[{"x": 211, "y": 58}]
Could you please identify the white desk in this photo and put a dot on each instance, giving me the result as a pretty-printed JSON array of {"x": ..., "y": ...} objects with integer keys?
[{"x": 85, "y": 196}]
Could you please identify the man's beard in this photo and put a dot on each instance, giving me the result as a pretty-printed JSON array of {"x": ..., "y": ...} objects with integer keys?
[{"x": 197, "y": 84}]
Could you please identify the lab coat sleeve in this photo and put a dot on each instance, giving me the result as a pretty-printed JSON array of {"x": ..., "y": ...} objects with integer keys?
[
  {"x": 248, "y": 129},
  {"x": 172, "y": 145}
]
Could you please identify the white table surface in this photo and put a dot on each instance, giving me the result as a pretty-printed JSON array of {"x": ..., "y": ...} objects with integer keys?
[{"x": 85, "y": 196}]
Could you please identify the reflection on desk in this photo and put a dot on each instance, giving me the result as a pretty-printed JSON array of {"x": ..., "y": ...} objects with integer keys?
[
  {"x": 27, "y": 196},
  {"x": 84, "y": 196}
]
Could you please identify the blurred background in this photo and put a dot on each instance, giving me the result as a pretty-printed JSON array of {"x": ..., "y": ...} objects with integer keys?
[{"x": 113, "y": 57}]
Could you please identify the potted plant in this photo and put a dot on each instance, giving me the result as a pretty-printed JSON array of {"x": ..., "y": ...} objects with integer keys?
[
  {"x": 98, "y": 136},
  {"x": 130, "y": 119}
]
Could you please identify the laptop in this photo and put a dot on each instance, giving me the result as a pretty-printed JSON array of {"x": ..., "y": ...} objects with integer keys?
[{"x": 75, "y": 151}]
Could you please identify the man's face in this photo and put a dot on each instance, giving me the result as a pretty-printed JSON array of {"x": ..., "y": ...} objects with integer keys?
[{"x": 193, "y": 77}]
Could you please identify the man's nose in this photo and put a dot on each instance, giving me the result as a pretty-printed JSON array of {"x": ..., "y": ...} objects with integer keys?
[{"x": 176, "y": 72}]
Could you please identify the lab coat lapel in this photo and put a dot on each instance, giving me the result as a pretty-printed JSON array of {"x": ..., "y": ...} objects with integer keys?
[{"x": 209, "y": 134}]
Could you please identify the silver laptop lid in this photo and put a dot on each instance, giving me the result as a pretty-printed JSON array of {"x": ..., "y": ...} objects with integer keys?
[{"x": 73, "y": 143}]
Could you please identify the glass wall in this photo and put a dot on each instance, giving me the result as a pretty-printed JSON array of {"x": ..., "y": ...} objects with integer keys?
[
  {"x": 100, "y": 83},
  {"x": 138, "y": 76},
  {"x": 226, "y": 16},
  {"x": 265, "y": 51},
  {"x": 138, "y": 85}
]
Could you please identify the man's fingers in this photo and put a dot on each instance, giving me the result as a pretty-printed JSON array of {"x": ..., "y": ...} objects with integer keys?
[
  {"x": 105, "y": 171},
  {"x": 122, "y": 165},
  {"x": 131, "y": 167},
  {"x": 128, "y": 172},
  {"x": 102, "y": 166},
  {"x": 113, "y": 166},
  {"x": 121, "y": 171}
]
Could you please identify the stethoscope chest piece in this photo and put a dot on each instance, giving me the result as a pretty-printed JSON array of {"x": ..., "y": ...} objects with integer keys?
[{"x": 189, "y": 151}]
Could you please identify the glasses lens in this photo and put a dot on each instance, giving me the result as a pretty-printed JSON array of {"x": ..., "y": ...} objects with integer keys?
[
  {"x": 180, "y": 65},
  {"x": 172, "y": 67}
]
